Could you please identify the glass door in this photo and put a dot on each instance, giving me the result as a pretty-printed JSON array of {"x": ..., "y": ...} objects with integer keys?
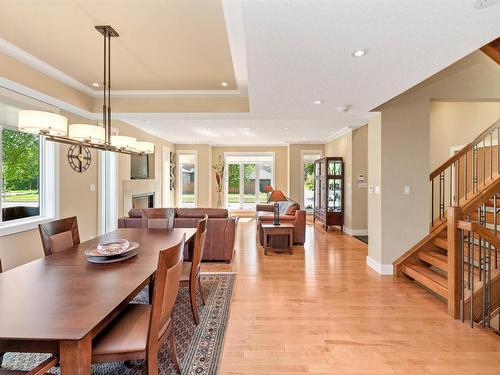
[
  {"x": 233, "y": 186},
  {"x": 249, "y": 185},
  {"x": 334, "y": 195}
]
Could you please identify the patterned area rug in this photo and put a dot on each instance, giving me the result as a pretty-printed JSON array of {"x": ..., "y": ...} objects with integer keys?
[{"x": 199, "y": 347}]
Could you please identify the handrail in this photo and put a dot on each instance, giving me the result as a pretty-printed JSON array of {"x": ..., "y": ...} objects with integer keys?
[
  {"x": 463, "y": 151},
  {"x": 480, "y": 230}
]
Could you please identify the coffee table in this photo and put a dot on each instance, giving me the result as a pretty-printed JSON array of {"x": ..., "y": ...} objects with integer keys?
[{"x": 278, "y": 237}]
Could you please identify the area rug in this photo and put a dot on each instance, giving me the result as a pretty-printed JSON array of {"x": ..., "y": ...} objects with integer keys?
[{"x": 199, "y": 347}]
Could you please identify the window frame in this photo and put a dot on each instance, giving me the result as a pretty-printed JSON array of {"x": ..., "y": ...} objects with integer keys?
[
  {"x": 257, "y": 171},
  {"x": 303, "y": 153},
  {"x": 179, "y": 177},
  {"x": 48, "y": 189}
]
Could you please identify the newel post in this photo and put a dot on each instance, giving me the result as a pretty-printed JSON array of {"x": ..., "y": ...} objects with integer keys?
[{"x": 454, "y": 261}]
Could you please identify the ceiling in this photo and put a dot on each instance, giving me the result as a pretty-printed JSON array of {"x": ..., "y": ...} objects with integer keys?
[
  {"x": 292, "y": 53},
  {"x": 163, "y": 45}
]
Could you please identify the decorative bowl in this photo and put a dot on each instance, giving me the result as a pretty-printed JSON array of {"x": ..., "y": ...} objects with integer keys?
[{"x": 113, "y": 247}]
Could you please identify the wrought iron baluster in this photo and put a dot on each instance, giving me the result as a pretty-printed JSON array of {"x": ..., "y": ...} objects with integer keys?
[
  {"x": 472, "y": 289},
  {"x": 491, "y": 156},
  {"x": 474, "y": 169},
  {"x": 441, "y": 195},
  {"x": 462, "y": 276},
  {"x": 484, "y": 161},
  {"x": 488, "y": 297},
  {"x": 483, "y": 271},
  {"x": 432, "y": 202}
]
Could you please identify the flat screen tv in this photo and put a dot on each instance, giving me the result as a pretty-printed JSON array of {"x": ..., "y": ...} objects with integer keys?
[{"x": 140, "y": 166}]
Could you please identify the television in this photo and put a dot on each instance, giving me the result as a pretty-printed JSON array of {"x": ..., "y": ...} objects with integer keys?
[{"x": 141, "y": 166}]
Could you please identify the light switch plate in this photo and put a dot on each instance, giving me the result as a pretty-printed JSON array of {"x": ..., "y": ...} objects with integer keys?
[
  {"x": 407, "y": 190},
  {"x": 92, "y": 187},
  {"x": 370, "y": 189},
  {"x": 377, "y": 189}
]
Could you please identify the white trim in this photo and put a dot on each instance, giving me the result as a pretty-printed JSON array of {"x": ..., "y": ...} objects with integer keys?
[
  {"x": 51, "y": 71},
  {"x": 302, "y": 180},
  {"x": 382, "y": 269},
  {"x": 30, "y": 60},
  {"x": 179, "y": 175},
  {"x": 48, "y": 191},
  {"x": 356, "y": 232},
  {"x": 234, "y": 22}
]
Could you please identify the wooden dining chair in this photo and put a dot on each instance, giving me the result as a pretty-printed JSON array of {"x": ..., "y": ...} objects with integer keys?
[
  {"x": 140, "y": 330},
  {"x": 41, "y": 369},
  {"x": 59, "y": 235},
  {"x": 191, "y": 270}
]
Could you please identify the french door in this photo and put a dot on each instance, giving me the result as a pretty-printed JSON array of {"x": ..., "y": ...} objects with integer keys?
[{"x": 247, "y": 177}]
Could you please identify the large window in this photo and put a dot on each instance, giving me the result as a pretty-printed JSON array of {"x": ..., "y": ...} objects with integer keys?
[
  {"x": 308, "y": 179},
  {"x": 187, "y": 179},
  {"x": 247, "y": 176},
  {"x": 28, "y": 184}
]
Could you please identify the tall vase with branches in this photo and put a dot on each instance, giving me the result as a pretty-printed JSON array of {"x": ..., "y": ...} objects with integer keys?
[{"x": 219, "y": 179}]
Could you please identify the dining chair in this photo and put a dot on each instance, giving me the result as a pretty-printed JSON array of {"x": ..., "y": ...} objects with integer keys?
[
  {"x": 59, "y": 235},
  {"x": 41, "y": 369},
  {"x": 140, "y": 330},
  {"x": 191, "y": 270},
  {"x": 158, "y": 218}
]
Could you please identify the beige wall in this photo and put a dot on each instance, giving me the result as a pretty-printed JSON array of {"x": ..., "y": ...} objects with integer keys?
[
  {"x": 405, "y": 150},
  {"x": 375, "y": 179},
  {"x": 204, "y": 172},
  {"x": 353, "y": 147},
  {"x": 295, "y": 169},
  {"x": 457, "y": 124}
]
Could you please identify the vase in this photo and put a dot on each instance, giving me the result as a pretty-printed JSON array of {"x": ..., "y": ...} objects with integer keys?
[{"x": 219, "y": 199}]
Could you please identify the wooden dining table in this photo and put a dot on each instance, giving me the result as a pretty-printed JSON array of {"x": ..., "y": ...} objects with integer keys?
[{"x": 59, "y": 303}]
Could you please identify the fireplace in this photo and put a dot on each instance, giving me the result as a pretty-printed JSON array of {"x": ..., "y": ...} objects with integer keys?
[{"x": 146, "y": 200}]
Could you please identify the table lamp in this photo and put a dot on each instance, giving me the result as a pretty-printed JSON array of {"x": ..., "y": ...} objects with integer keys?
[
  {"x": 268, "y": 189},
  {"x": 276, "y": 197}
]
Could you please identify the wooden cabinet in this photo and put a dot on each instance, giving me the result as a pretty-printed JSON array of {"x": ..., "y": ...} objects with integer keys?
[{"x": 329, "y": 191}]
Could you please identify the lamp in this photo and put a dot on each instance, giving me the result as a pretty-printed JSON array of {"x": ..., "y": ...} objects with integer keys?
[
  {"x": 40, "y": 122},
  {"x": 123, "y": 142},
  {"x": 87, "y": 133},
  {"x": 276, "y": 197},
  {"x": 144, "y": 147},
  {"x": 268, "y": 189}
]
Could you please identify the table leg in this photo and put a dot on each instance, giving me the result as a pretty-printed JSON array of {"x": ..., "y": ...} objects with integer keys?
[
  {"x": 265, "y": 243},
  {"x": 76, "y": 356}
]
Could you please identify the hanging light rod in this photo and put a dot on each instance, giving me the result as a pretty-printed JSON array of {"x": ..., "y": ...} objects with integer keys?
[{"x": 55, "y": 127}]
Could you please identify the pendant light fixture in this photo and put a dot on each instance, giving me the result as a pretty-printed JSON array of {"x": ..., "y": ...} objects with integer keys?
[{"x": 55, "y": 127}]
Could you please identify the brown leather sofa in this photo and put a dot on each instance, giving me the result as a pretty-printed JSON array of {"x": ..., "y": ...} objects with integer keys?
[
  {"x": 221, "y": 228},
  {"x": 290, "y": 212}
]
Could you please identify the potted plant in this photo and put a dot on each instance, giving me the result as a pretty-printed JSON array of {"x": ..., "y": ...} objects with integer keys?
[{"x": 219, "y": 179}]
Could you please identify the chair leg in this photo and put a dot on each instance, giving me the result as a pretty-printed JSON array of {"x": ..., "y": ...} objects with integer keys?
[
  {"x": 171, "y": 342},
  {"x": 152, "y": 362},
  {"x": 1, "y": 358},
  {"x": 151, "y": 288},
  {"x": 194, "y": 305},
  {"x": 201, "y": 290}
]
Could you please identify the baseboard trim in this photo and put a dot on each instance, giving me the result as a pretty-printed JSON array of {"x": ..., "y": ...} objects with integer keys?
[
  {"x": 382, "y": 269},
  {"x": 356, "y": 232}
]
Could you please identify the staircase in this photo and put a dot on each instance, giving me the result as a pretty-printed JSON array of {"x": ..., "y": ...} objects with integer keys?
[{"x": 458, "y": 260}]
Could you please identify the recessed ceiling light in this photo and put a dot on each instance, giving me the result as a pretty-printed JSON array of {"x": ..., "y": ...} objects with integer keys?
[
  {"x": 225, "y": 84},
  {"x": 245, "y": 129},
  {"x": 148, "y": 122},
  {"x": 95, "y": 84},
  {"x": 359, "y": 53},
  {"x": 318, "y": 101},
  {"x": 481, "y": 4},
  {"x": 285, "y": 128}
]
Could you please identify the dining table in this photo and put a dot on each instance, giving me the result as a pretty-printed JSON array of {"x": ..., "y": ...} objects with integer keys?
[{"x": 57, "y": 304}]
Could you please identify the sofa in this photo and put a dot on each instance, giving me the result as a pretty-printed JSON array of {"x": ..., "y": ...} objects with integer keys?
[
  {"x": 221, "y": 228},
  {"x": 290, "y": 212}
]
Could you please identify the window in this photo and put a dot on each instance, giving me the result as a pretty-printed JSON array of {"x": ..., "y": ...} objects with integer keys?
[
  {"x": 187, "y": 178},
  {"x": 308, "y": 179},
  {"x": 27, "y": 180},
  {"x": 247, "y": 177}
]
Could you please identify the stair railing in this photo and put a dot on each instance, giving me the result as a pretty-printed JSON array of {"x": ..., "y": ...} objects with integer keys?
[
  {"x": 473, "y": 293},
  {"x": 465, "y": 173}
]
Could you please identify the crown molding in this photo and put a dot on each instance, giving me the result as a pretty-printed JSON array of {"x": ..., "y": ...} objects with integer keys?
[
  {"x": 168, "y": 93},
  {"x": 30, "y": 60}
]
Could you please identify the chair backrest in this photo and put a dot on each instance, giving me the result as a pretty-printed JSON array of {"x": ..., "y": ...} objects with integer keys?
[
  {"x": 59, "y": 235},
  {"x": 0, "y": 265},
  {"x": 158, "y": 218},
  {"x": 167, "y": 279},
  {"x": 199, "y": 246}
]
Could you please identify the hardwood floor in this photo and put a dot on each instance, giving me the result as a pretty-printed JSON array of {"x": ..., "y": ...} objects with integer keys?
[{"x": 322, "y": 310}]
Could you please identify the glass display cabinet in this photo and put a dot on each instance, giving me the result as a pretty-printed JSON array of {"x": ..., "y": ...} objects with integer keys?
[{"x": 329, "y": 192}]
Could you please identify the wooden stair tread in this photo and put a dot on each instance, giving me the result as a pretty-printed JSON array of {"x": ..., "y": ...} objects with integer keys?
[
  {"x": 427, "y": 277},
  {"x": 441, "y": 242},
  {"x": 435, "y": 258}
]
